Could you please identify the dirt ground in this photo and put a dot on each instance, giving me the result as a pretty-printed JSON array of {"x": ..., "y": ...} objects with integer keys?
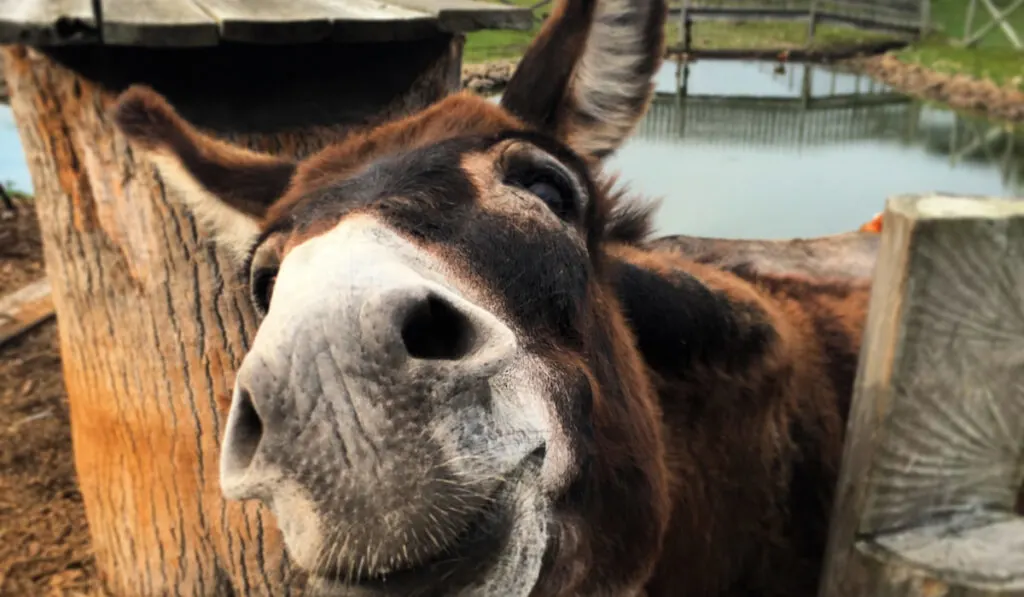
[
  {"x": 957, "y": 91},
  {"x": 44, "y": 541}
]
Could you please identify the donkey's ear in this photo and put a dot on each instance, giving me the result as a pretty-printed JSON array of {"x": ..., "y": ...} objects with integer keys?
[
  {"x": 588, "y": 76},
  {"x": 227, "y": 188}
]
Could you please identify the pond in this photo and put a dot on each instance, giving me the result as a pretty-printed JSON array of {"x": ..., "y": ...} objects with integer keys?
[
  {"x": 749, "y": 152},
  {"x": 746, "y": 151}
]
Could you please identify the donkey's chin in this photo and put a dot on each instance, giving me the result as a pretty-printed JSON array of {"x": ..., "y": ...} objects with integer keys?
[{"x": 486, "y": 557}]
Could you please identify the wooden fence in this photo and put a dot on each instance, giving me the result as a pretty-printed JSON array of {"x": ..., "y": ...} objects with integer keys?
[
  {"x": 907, "y": 17},
  {"x": 997, "y": 17}
]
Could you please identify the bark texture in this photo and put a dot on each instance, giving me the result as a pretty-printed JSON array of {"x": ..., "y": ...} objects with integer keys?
[{"x": 152, "y": 318}]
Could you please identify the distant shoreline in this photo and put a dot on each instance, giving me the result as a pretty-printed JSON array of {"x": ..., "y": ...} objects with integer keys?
[{"x": 960, "y": 92}]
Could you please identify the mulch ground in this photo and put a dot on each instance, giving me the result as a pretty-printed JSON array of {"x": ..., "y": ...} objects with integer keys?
[
  {"x": 44, "y": 540},
  {"x": 960, "y": 92}
]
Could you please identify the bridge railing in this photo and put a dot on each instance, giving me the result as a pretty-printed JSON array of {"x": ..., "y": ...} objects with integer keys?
[{"x": 906, "y": 17}]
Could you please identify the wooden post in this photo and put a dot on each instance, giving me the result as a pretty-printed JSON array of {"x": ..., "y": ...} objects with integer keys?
[
  {"x": 685, "y": 29},
  {"x": 934, "y": 455},
  {"x": 812, "y": 22},
  {"x": 968, "y": 19},
  {"x": 1007, "y": 163},
  {"x": 151, "y": 318},
  {"x": 806, "y": 87}
]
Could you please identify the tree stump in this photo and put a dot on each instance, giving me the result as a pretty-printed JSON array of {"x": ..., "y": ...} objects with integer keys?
[
  {"x": 930, "y": 489},
  {"x": 152, "y": 322}
]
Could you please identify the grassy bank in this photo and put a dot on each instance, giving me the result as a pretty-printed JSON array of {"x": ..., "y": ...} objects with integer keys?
[
  {"x": 761, "y": 35},
  {"x": 503, "y": 44},
  {"x": 994, "y": 58},
  {"x": 484, "y": 46}
]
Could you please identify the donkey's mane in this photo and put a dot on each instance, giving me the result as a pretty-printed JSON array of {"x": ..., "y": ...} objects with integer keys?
[{"x": 628, "y": 216}]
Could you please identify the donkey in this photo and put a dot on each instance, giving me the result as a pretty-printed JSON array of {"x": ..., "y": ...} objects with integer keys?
[{"x": 477, "y": 374}]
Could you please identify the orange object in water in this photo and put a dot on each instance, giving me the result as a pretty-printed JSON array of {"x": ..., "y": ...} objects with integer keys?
[{"x": 875, "y": 225}]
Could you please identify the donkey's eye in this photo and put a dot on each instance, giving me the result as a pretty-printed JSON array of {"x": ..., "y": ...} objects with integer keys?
[
  {"x": 549, "y": 193},
  {"x": 549, "y": 187},
  {"x": 540, "y": 174},
  {"x": 262, "y": 285}
]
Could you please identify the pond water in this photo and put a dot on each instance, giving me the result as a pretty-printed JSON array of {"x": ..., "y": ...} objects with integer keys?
[
  {"x": 746, "y": 151},
  {"x": 749, "y": 152}
]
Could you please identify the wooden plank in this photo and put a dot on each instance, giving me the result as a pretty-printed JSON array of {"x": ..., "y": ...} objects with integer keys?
[
  {"x": 270, "y": 21},
  {"x": 190, "y": 23},
  {"x": 306, "y": 21},
  {"x": 461, "y": 16},
  {"x": 177, "y": 23},
  {"x": 934, "y": 455},
  {"x": 373, "y": 20},
  {"x": 47, "y": 22},
  {"x": 24, "y": 309}
]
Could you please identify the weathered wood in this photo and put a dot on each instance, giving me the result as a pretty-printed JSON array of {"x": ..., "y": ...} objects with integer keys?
[
  {"x": 24, "y": 309},
  {"x": 934, "y": 456},
  {"x": 460, "y": 16},
  {"x": 198, "y": 23},
  {"x": 284, "y": 21},
  {"x": 152, "y": 319},
  {"x": 176, "y": 23},
  {"x": 39, "y": 22}
]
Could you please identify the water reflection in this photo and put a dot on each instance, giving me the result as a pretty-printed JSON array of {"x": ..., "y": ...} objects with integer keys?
[{"x": 739, "y": 148}]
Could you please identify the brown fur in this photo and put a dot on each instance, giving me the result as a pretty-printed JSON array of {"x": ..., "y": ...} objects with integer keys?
[{"x": 714, "y": 452}]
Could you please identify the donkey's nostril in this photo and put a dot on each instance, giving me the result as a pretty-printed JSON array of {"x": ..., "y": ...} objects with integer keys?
[
  {"x": 435, "y": 330},
  {"x": 246, "y": 432}
]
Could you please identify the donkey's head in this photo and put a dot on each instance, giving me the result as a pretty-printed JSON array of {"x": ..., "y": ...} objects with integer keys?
[{"x": 441, "y": 397}]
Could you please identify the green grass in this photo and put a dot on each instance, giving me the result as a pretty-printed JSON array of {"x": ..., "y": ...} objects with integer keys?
[
  {"x": 761, "y": 35},
  {"x": 502, "y": 44},
  {"x": 12, "y": 189},
  {"x": 993, "y": 58},
  {"x": 1002, "y": 66}
]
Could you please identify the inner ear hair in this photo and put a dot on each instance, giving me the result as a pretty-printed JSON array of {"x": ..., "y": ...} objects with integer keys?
[
  {"x": 227, "y": 188},
  {"x": 244, "y": 180}
]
